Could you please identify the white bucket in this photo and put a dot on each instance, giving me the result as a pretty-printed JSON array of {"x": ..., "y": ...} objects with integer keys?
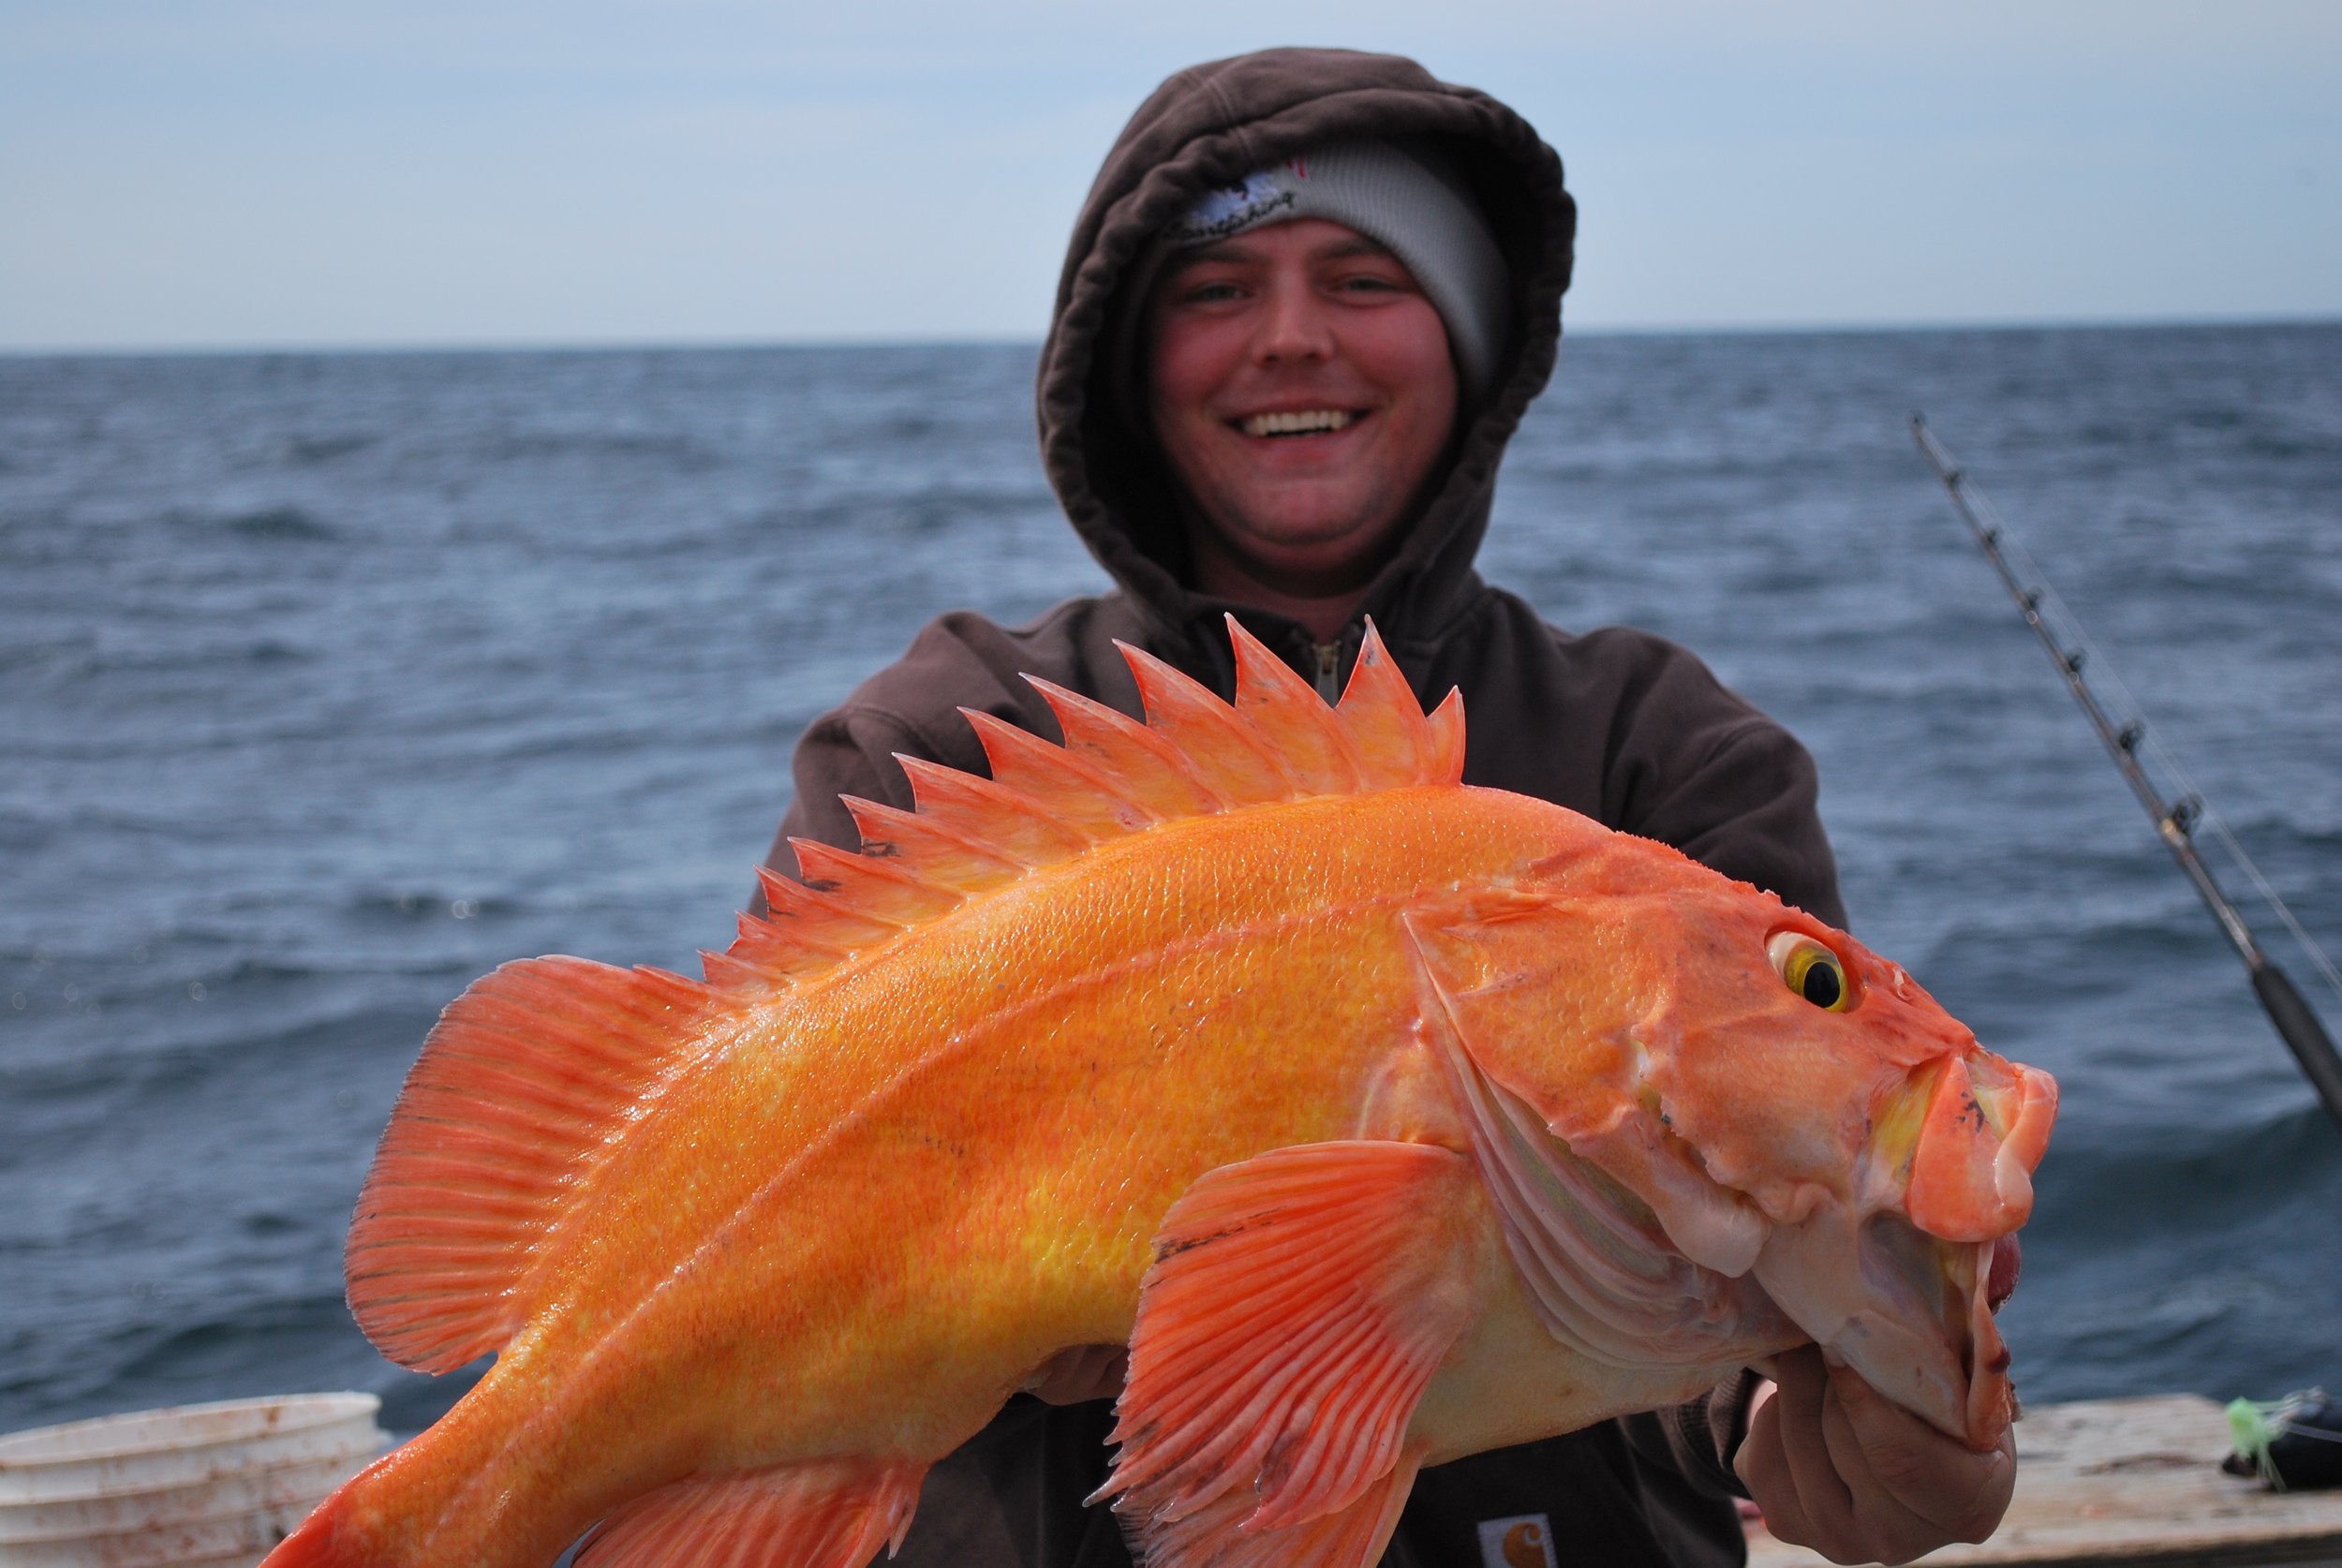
[
  {"x": 236, "y": 1538},
  {"x": 215, "y": 1484}
]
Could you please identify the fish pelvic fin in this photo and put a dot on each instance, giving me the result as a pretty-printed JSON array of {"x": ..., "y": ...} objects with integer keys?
[
  {"x": 1194, "y": 755},
  {"x": 827, "y": 1514},
  {"x": 1299, "y": 1305},
  {"x": 1352, "y": 1537},
  {"x": 521, "y": 1081}
]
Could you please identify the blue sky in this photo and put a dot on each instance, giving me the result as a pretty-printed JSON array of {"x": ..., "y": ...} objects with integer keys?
[{"x": 216, "y": 173}]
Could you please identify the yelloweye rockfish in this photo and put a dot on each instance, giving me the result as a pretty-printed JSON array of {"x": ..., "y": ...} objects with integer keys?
[{"x": 1387, "y": 1119}]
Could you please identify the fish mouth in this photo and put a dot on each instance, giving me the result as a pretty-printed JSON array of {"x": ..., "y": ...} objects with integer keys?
[
  {"x": 1929, "y": 1328},
  {"x": 1902, "y": 1279},
  {"x": 1910, "y": 1312}
]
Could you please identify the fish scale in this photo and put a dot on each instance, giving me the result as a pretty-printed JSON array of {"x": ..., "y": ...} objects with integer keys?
[{"x": 1381, "y": 1115}]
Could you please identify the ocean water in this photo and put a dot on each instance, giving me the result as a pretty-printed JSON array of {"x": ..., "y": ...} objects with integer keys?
[{"x": 329, "y": 682}]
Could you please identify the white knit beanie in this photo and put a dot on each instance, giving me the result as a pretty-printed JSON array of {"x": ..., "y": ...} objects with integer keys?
[{"x": 1396, "y": 198}]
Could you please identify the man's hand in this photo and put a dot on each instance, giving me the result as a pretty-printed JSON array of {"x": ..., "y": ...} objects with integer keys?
[{"x": 1837, "y": 1467}]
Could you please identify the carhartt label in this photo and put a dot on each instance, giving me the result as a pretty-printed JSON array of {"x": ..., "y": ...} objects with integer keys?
[{"x": 1523, "y": 1541}]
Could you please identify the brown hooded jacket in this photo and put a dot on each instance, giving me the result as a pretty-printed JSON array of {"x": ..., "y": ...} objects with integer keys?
[{"x": 1622, "y": 726}]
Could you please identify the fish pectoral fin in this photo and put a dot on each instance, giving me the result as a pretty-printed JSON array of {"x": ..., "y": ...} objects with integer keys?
[
  {"x": 828, "y": 1514},
  {"x": 1299, "y": 1304}
]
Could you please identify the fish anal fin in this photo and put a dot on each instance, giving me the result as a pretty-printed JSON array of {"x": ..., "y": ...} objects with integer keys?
[
  {"x": 826, "y": 1514},
  {"x": 1223, "y": 748},
  {"x": 1299, "y": 1302},
  {"x": 519, "y": 1083},
  {"x": 1289, "y": 714}
]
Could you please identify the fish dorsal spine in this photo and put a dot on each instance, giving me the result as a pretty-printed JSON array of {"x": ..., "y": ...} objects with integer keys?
[{"x": 1195, "y": 755}]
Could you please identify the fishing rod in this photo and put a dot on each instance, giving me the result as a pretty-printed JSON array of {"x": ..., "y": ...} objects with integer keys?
[{"x": 2174, "y": 822}]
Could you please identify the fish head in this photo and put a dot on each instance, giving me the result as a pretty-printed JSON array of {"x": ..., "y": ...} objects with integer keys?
[{"x": 1796, "y": 1113}]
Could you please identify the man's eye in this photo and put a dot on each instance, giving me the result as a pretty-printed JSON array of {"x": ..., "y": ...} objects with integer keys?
[{"x": 1209, "y": 293}]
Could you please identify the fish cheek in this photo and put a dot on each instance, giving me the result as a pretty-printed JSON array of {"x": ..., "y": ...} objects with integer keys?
[{"x": 1548, "y": 1001}]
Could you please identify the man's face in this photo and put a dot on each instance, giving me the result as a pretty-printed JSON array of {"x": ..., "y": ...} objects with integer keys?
[{"x": 1299, "y": 383}]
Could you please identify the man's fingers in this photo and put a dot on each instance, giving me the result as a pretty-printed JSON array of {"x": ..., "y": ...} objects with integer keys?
[
  {"x": 1887, "y": 1526},
  {"x": 1765, "y": 1474},
  {"x": 1932, "y": 1480},
  {"x": 1803, "y": 1382},
  {"x": 1787, "y": 1467},
  {"x": 1838, "y": 1467}
]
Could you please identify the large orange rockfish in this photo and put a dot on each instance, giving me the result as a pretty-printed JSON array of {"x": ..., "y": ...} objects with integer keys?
[{"x": 1386, "y": 1119}]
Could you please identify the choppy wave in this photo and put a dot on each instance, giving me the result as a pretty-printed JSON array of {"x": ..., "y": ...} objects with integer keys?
[{"x": 328, "y": 682}]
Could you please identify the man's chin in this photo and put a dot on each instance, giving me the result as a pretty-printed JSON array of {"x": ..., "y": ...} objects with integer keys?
[{"x": 1315, "y": 568}]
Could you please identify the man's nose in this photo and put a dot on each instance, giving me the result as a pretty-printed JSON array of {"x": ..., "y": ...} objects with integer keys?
[{"x": 1293, "y": 324}]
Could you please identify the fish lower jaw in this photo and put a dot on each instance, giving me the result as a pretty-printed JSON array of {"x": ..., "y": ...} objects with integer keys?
[{"x": 1907, "y": 1310}]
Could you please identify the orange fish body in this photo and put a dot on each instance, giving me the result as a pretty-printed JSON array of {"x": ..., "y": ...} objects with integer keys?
[{"x": 1387, "y": 1120}]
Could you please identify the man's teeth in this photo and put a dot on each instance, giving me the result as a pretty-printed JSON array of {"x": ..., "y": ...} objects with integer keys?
[{"x": 1300, "y": 424}]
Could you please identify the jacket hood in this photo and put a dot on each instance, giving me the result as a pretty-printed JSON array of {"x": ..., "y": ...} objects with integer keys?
[{"x": 1207, "y": 127}]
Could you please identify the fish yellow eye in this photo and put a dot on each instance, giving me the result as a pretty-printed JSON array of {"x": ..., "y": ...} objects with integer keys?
[{"x": 1810, "y": 969}]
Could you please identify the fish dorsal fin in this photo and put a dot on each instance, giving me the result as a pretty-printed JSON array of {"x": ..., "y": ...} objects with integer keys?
[
  {"x": 1194, "y": 755},
  {"x": 526, "y": 1077},
  {"x": 1316, "y": 752},
  {"x": 1150, "y": 770},
  {"x": 1396, "y": 745}
]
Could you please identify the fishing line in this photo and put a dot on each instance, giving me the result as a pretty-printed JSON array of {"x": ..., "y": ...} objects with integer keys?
[
  {"x": 2070, "y": 646},
  {"x": 2073, "y": 635}
]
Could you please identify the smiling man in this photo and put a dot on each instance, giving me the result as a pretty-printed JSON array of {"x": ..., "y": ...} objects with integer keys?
[
  {"x": 1307, "y": 302},
  {"x": 1301, "y": 385}
]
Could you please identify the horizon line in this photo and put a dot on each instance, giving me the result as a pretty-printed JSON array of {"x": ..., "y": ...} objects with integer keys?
[{"x": 685, "y": 343}]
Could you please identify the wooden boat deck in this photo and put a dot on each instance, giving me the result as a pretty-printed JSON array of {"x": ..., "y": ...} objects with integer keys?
[{"x": 2116, "y": 1482}]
